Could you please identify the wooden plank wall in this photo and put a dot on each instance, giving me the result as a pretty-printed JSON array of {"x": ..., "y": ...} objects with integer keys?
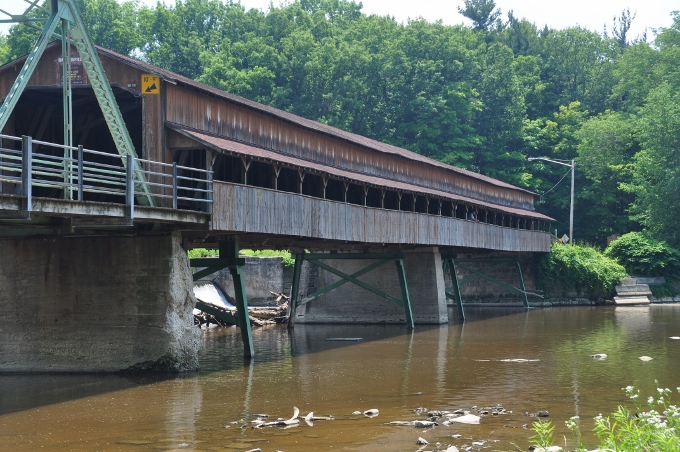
[
  {"x": 219, "y": 116},
  {"x": 256, "y": 210}
]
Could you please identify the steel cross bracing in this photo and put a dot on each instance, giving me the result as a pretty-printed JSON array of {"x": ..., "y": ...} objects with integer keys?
[
  {"x": 66, "y": 13},
  {"x": 454, "y": 293},
  {"x": 381, "y": 259}
]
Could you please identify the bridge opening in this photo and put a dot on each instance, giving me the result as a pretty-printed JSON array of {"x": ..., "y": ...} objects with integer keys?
[
  {"x": 374, "y": 197},
  {"x": 312, "y": 185},
  {"x": 228, "y": 169},
  {"x": 406, "y": 203},
  {"x": 355, "y": 194},
  {"x": 391, "y": 200},
  {"x": 421, "y": 204},
  {"x": 260, "y": 175},
  {"x": 335, "y": 190},
  {"x": 434, "y": 206},
  {"x": 39, "y": 114},
  {"x": 288, "y": 180}
]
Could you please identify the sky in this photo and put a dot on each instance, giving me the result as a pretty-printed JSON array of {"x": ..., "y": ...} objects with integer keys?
[{"x": 591, "y": 14}]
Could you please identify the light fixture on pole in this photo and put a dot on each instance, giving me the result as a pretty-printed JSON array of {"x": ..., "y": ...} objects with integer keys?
[{"x": 571, "y": 206}]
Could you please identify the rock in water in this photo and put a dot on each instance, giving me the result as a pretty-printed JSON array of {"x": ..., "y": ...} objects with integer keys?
[
  {"x": 422, "y": 442},
  {"x": 599, "y": 356},
  {"x": 424, "y": 424},
  {"x": 372, "y": 412},
  {"x": 466, "y": 419}
]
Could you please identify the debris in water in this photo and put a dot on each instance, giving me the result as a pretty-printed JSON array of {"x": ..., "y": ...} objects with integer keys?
[
  {"x": 599, "y": 356},
  {"x": 646, "y": 358},
  {"x": 519, "y": 360},
  {"x": 344, "y": 338},
  {"x": 674, "y": 337}
]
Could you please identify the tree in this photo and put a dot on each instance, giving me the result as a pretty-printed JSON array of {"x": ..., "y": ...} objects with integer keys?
[
  {"x": 607, "y": 144},
  {"x": 621, "y": 27},
  {"x": 482, "y": 13},
  {"x": 656, "y": 173}
]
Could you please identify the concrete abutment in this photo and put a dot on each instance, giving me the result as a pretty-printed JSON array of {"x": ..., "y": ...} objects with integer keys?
[{"x": 96, "y": 304}]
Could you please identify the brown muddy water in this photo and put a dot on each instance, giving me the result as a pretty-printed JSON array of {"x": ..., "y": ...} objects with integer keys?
[{"x": 440, "y": 368}]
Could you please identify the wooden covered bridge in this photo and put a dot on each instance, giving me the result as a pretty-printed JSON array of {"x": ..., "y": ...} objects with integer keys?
[{"x": 205, "y": 168}]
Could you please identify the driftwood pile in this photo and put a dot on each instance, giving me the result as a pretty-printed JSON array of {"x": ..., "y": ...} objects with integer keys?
[{"x": 259, "y": 316}]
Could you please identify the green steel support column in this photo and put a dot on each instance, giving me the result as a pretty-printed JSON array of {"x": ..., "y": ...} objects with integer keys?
[
  {"x": 229, "y": 250},
  {"x": 456, "y": 288},
  {"x": 242, "y": 310},
  {"x": 299, "y": 258},
  {"x": 401, "y": 272},
  {"x": 67, "y": 102},
  {"x": 521, "y": 285}
]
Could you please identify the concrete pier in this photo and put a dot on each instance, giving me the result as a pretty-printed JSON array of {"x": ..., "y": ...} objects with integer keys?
[
  {"x": 96, "y": 304},
  {"x": 353, "y": 304}
]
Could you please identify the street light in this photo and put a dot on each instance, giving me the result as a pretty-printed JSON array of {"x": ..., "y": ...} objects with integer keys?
[{"x": 571, "y": 207}]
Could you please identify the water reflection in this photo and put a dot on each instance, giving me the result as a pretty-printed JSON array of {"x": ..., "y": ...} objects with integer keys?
[{"x": 437, "y": 367}]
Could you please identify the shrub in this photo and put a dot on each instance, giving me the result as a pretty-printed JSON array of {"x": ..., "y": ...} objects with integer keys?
[
  {"x": 582, "y": 267},
  {"x": 202, "y": 252},
  {"x": 288, "y": 260},
  {"x": 643, "y": 256}
]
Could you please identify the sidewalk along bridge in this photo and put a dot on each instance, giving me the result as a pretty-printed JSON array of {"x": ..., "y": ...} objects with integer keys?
[{"x": 153, "y": 163}]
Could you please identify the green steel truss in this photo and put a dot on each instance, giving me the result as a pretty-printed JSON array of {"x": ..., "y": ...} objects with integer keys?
[
  {"x": 228, "y": 258},
  {"x": 66, "y": 13},
  {"x": 381, "y": 259},
  {"x": 453, "y": 293}
]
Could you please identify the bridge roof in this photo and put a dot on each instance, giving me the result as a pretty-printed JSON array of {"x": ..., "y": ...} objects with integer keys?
[
  {"x": 221, "y": 143},
  {"x": 309, "y": 124}
]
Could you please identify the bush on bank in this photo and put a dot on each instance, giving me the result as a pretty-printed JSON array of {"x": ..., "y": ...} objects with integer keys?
[
  {"x": 581, "y": 267},
  {"x": 644, "y": 256},
  {"x": 654, "y": 427},
  {"x": 288, "y": 260}
]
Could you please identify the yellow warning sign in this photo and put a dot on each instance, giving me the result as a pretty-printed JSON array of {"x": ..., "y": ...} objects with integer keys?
[{"x": 151, "y": 84}]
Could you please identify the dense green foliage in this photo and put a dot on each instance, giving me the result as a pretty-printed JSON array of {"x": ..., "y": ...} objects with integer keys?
[
  {"x": 643, "y": 256},
  {"x": 483, "y": 97},
  {"x": 584, "y": 268}
]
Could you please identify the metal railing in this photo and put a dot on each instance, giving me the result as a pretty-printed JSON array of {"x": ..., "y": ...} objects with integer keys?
[{"x": 75, "y": 173}]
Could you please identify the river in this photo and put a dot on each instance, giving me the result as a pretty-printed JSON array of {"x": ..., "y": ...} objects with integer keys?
[{"x": 449, "y": 367}]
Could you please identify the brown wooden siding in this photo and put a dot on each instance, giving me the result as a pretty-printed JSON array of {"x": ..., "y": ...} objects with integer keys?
[
  {"x": 218, "y": 116},
  {"x": 256, "y": 210}
]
